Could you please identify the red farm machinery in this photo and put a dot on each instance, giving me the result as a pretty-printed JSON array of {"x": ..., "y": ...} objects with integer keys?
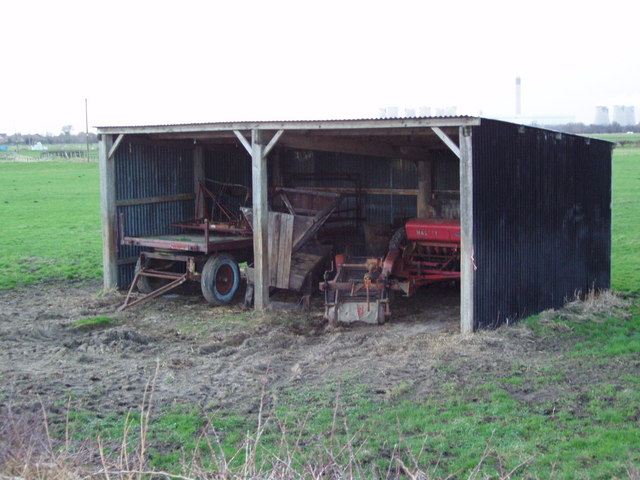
[{"x": 423, "y": 252}]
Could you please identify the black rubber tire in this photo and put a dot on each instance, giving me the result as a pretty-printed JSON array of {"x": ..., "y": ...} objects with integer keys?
[
  {"x": 147, "y": 284},
  {"x": 220, "y": 279},
  {"x": 399, "y": 238}
]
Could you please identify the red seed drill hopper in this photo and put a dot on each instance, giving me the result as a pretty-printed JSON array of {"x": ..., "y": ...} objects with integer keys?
[{"x": 423, "y": 252}]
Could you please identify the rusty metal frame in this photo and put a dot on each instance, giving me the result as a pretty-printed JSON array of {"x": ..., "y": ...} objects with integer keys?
[{"x": 177, "y": 278}]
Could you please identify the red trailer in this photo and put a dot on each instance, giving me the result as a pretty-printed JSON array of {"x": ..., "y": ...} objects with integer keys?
[
  {"x": 211, "y": 257},
  {"x": 209, "y": 252}
]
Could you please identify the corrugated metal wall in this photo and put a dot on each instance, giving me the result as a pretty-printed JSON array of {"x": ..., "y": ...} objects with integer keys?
[
  {"x": 367, "y": 172},
  {"x": 144, "y": 171},
  {"x": 541, "y": 219},
  {"x": 228, "y": 164}
]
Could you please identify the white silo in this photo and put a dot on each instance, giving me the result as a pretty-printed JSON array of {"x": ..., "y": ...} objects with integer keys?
[
  {"x": 425, "y": 111},
  {"x": 409, "y": 112},
  {"x": 602, "y": 116}
]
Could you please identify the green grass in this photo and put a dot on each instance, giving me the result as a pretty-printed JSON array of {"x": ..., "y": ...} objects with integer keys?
[
  {"x": 50, "y": 217},
  {"x": 94, "y": 322},
  {"x": 625, "y": 241},
  {"x": 621, "y": 138},
  {"x": 589, "y": 434}
]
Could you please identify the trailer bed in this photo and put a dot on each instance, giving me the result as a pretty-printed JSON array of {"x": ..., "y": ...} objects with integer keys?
[{"x": 191, "y": 242}]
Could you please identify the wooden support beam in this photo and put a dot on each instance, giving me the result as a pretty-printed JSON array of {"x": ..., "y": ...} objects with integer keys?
[
  {"x": 108, "y": 211},
  {"x": 273, "y": 141},
  {"x": 243, "y": 141},
  {"x": 467, "y": 260},
  {"x": 260, "y": 220},
  {"x": 198, "y": 178},
  {"x": 115, "y": 146},
  {"x": 342, "y": 145},
  {"x": 423, "y": 200},
  {"x": 411, "y": 192},
  {"x": 448, "y": 142},
  {"x": 163, "y": 198}
]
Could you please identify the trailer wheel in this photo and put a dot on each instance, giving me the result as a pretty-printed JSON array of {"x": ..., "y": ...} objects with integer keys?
[
  {"x": 148, "y": 284},
  {"x": 220, "y": 279}
]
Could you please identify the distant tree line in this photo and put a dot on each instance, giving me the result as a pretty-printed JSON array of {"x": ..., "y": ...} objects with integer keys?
[
  {"x": 589, "y": 129},
  {"x": 65, "y": 136}
]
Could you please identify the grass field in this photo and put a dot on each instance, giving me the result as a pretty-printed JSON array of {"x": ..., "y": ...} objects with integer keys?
[
  {"x": 50, "y": 217},
  {"x": 493, "y": 423}
]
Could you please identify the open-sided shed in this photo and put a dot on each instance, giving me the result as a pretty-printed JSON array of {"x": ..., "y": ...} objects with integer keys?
[{"x": 534, "y": 205}]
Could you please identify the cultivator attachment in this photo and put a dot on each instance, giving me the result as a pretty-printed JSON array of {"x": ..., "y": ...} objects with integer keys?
[{"x": 358, "y": 292}]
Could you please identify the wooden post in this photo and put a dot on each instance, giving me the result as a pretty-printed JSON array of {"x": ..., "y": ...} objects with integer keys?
[
  {"x": 424, "y": 189},
  {"x": 277, "y": 178},
  {"x": 260, "y": 220},
  {"x": 467, "y": 261},
  {"x": 198, "y": 176},
  {"x": 108, "y": 212}
]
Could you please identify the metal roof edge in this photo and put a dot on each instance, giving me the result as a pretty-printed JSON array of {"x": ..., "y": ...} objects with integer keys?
[
  {"x": 411, "y": 122},
  {"x": 552, "y": 130}
]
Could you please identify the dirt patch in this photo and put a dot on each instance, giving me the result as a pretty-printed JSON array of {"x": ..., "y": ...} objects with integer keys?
[{"x": 222, "y": 356}]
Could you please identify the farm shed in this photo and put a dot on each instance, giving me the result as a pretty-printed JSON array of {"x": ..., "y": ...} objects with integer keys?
[{"x": 534, "y": 205}]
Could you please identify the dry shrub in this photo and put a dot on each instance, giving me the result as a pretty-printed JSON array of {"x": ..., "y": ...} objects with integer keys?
[
  {"x": 29, "y": 452},
  {"x": 596, "y": 303},
  {"x": 595, "y": 306}
]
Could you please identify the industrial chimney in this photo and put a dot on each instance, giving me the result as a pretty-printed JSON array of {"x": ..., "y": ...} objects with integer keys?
[{"x": 518, "y": 98}]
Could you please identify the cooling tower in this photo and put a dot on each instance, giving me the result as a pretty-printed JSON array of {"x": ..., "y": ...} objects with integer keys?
[
  {"x": 619, "y": 115},
  {"x": 602, "y": 116},
  {"x": 392, "y": 112},
  {"x": 629, "y": 115}
]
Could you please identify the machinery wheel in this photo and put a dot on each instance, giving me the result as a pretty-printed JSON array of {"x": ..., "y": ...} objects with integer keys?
[
  {"x": 149, "y": 284},
  {"x": 399, "y": 238},
  {"x": 220, "y": 279}
]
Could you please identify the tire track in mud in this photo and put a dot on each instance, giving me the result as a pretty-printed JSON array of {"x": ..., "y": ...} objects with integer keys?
[{"x": 212, "y": 356}]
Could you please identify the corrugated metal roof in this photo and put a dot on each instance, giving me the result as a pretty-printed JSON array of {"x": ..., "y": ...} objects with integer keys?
[{"x": 395, "y": 122}]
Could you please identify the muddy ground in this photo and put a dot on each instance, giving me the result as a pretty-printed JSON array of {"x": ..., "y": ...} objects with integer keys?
[{"x": 222, "y": 356}]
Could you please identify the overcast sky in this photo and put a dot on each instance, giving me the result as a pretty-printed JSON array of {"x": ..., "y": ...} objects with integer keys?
[{"x": 155, "y": 62}]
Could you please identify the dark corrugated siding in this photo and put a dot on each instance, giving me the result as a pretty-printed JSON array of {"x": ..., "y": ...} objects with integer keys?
[
  {"x": 144, "y": 171},
  {"x": 368, "y": 172},
  {"x": 228, "y": 164},
  {"x": 541, "y": 220},
  {"x": 231, "y": 164}
]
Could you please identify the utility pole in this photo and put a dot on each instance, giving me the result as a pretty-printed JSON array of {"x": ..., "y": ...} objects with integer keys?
[{"x": 86, "y": 130}]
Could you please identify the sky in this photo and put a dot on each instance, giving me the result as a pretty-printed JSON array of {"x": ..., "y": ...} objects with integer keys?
[{"x": 162, "y": 62}]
